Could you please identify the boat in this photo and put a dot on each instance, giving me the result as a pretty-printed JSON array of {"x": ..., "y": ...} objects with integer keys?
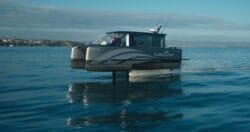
[{"x": 127, "y": 51}]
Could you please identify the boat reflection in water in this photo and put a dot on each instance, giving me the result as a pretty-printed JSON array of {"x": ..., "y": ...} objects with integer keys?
[
  {"x": 126, "y": 93},
  {"x": 111, "y": 93},
  {"x": 123, "y": 118}
]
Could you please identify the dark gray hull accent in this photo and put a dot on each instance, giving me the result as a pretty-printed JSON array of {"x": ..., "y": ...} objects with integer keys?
[
  {"x": 143, "y": 66},
  {"x": 78, "y": 63},
  {"x": 106, "y": 68},
  {"x": 153, "y": 66}
]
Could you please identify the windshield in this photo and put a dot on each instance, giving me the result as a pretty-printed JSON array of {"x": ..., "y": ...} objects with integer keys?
[{"x": 112, "y": 39}]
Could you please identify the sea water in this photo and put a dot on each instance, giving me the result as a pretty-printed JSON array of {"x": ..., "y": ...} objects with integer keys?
[{"x": 40, "y": 92}]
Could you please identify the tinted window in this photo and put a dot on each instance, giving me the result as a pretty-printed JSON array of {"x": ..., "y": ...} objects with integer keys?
[
  {"x": 141, "y": 40},
  {"x": 159, "y": 42}
]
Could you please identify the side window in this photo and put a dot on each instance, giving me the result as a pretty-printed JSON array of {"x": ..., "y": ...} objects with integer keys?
[
  {"x": 156, "y": 41},
  {"x": 132, "y": 41},
  {"x": 141, "y": 41},
  {"x": 159, "y": 42}
]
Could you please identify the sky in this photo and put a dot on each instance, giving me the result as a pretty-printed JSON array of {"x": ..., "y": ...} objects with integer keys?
[{"x": 86, "y": 20}]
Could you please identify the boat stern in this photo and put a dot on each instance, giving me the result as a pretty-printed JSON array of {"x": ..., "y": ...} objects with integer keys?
[{"x": 78, "y": 57}]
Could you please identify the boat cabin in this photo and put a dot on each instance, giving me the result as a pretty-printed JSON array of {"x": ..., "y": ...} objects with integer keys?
[{"x": 132, "y": 39}]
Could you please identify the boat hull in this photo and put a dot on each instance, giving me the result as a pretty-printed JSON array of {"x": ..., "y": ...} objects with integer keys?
[{"x": 110, "y": 58}]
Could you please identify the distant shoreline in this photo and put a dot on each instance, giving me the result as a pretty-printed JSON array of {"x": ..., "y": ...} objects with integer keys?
[{"x": 13, "y": 42}]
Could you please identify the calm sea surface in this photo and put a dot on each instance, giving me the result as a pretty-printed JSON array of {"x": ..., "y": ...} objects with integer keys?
[{"x": 40, "y": 92}]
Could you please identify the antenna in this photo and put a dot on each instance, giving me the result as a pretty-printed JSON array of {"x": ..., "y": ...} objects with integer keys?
[
  {"x": 159, "y": 21},
  {"x": 165, "y": 27},
  {"x": 158, "y": 28}
]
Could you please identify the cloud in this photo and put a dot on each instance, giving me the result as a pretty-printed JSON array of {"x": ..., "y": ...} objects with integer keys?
[{"x": 47, "y": 22}]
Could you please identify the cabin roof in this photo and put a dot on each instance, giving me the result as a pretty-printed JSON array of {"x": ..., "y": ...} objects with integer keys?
[{"x": 138, "y": 33}]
